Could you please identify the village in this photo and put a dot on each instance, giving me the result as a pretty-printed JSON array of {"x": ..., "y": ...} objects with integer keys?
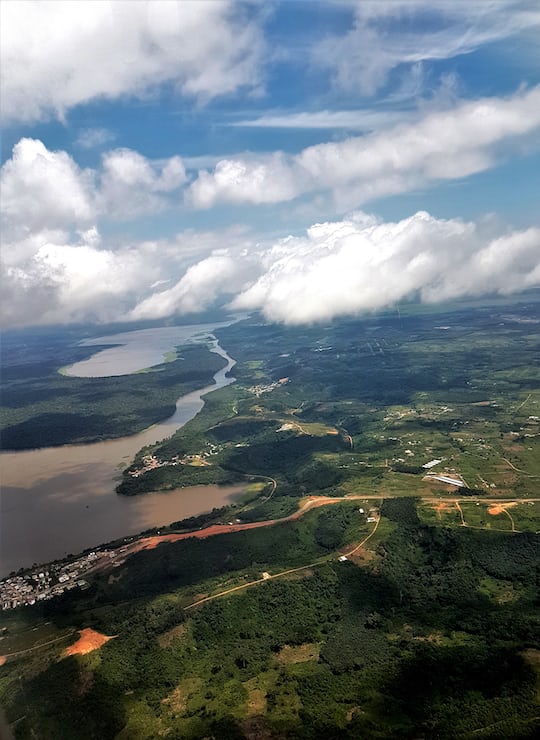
[
  {"x": 151, "y": 462},
  {"x": 258, "y": 390},
  {"x": 54, "y": 579}
]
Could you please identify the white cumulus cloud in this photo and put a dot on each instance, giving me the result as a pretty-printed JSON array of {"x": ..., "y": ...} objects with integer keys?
[
  {"x": 60, "y": 279},
  {"x": 43, "y": 189},
  {"x": 257, "y": 179},
  {"x": 131, "y": 185},
  {"x": 337, "y": 268},
  {"x": 362, "y": 264},
  {"x": 217, "y": 275},
  {"x": 441, "y": 145}
]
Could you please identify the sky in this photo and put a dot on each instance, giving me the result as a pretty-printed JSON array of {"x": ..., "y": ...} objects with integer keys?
[{"x": 304, "y": 159}]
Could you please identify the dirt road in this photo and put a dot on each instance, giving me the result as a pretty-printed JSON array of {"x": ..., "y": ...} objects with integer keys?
[
  {"x": 149, "y": 543},
  {"x": 320, "y": 501}
]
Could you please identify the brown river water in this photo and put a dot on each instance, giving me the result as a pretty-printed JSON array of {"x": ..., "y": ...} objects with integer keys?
[{"x": 60, "y": 500}]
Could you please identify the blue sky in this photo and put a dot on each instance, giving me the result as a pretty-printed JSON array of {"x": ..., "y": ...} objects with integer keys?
[{"x": 290, "y": 157}]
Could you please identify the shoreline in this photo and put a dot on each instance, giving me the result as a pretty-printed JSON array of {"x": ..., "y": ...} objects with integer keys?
[{"x": 61, "y": 499}]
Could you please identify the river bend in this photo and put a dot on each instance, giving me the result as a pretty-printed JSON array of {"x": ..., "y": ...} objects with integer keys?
[{"x": 60, "y": 500}]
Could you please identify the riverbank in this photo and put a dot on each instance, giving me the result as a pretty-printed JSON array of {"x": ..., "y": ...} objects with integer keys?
[{"x": 61, "y": 500}]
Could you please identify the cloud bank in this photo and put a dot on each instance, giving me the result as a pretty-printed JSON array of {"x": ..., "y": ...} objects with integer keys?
[
  {"x": 339, "y": 268},
  {"x": 357, "y": 265},
  {"x": 361, "y": 267}
]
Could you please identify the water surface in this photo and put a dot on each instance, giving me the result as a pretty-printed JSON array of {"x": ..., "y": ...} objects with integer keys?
[
  {"x": 60, "y": 500},
  {"x": 136, "y": 350}
]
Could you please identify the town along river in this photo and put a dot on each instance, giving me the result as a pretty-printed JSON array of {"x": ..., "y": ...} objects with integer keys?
[{"x": 60, "y": 500}]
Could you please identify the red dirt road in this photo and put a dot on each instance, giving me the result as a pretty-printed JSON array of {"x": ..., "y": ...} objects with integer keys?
[{"x": 149, "y": 543}]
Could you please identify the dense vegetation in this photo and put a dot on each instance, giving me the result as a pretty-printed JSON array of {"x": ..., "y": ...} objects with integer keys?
[
  {"x": 430, "y": 630},
  {"x": 403, "y": 645}
]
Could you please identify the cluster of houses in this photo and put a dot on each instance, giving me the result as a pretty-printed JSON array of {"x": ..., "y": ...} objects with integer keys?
[
  {"x": 150, "y": 462},
  {"x": 52, "y": 580},
  {"x": 258, "y": 390}
]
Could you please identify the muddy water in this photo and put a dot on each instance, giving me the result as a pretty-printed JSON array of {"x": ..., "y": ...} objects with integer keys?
[{"x": 60, "y": 500}]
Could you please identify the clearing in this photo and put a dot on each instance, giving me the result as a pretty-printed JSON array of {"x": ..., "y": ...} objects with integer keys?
[{"x": 88, "y": 641}]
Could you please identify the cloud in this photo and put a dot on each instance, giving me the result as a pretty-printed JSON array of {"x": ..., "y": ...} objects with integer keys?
[
  {"x": 62, "y": 276},
  {"x": 44, "y": 190},
  {"x": 362, "y": 264},
  {"x": 338, "y": 268},
  {"x": 47, "y": 190},
  {"x": 218, "y": 275},
  {"x": 362, "y": 119},
  {"x": 267, "y": 178},
  {"x": 56, "y": 55},
  {"x": 386, "y": 36},
  {"x": 356, "y": 265},
  {"x": 53, "y": 264},
  {"x": 57, "y": 280},
  {"x": 94, "y": 138},
  {"x": 442, "y": 145},
  {"x": 131, "y": 185}
]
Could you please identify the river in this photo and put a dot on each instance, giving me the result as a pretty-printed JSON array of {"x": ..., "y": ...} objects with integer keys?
[
  {"x": 60, "y": 500},
  {"x": 136, "y": 350}
]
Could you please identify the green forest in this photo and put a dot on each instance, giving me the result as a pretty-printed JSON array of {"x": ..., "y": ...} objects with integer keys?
[
  {"x": 42, "y": 408},
  {"x": 404, "y": 642},
  {"x": 407, "y": 609}
]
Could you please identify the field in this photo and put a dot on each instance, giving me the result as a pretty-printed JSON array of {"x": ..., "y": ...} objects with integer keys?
[
  {"x": 504, "y": 516},
  {"x": 361, "y": 405}
]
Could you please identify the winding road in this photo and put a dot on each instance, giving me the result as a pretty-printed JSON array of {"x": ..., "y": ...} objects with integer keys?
[{"x": 269, "y": 577}]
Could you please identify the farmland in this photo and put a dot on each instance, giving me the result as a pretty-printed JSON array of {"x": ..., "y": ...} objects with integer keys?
[{"x": 336, "y": 416}]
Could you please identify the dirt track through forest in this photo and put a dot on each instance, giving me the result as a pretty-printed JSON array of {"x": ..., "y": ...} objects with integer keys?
[
  {"x": 322, "y": 501},
  {"x": 149, "y": 543}
]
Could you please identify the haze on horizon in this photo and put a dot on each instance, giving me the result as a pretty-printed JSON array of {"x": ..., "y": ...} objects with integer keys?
[{"x": 308, "y": 160}]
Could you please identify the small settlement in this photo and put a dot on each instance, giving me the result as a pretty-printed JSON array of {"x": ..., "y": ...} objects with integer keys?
[{"x": 52, "y": 580}]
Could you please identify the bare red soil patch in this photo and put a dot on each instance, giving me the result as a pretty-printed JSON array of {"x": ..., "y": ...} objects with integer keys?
[
  {"x": 150, "y": 543},
  {"x": 497, "y": 509},
  {"x": 88, "y": 640}
]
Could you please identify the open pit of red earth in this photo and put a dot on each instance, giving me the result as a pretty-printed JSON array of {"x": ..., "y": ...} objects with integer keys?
[{"x": 88, "y": 641}]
